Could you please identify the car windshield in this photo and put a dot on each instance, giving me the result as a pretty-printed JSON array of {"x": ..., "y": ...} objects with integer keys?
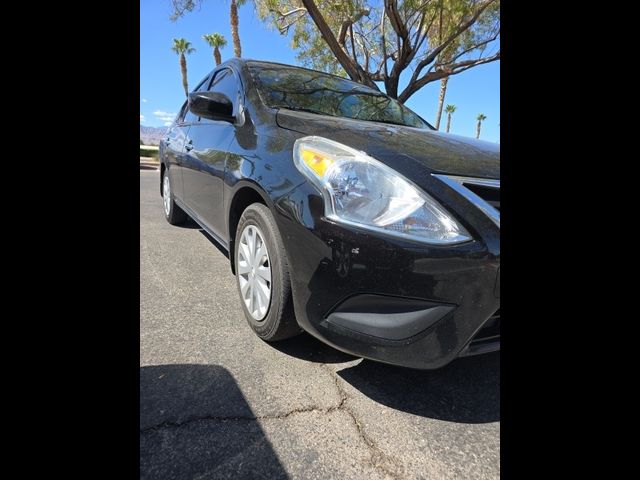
[{"x": 316, "y": 92}]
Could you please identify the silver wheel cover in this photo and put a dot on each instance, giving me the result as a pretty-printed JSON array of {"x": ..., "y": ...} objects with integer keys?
[
  {"x": 166, "y": 194},
  {"x": 254, "y": 272}
]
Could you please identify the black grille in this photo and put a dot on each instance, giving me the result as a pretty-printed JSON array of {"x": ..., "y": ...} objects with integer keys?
[{"x": 488, "y": 194}]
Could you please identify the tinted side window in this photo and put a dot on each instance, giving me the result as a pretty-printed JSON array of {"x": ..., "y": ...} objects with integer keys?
[
  {"x": 186, "y": 115},
  {"x": 190, "y": 117},
  {"x": 225, "y": 82},
  {"x": 183, "y": 112}
]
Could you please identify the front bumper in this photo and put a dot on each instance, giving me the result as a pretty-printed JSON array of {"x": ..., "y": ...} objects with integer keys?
[{"x": 384, "y": 298}]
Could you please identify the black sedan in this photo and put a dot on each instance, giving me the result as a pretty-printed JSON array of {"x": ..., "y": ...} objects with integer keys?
[{"x": 344, "y": 213}]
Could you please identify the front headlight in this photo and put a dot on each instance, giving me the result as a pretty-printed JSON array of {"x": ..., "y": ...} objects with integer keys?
[{"x": 359, "y": 190}]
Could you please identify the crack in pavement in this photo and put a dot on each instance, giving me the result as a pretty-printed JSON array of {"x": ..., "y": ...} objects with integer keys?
[
  {"x": 248, "y": 418},
  {"x": 381, "y": 461}
]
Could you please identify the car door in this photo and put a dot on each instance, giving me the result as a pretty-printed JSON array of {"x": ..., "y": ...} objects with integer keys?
[
  {"x": 173, "y": 146},
  {"x": 206, "y": 151},
  {"x": 174, "y": 143}
]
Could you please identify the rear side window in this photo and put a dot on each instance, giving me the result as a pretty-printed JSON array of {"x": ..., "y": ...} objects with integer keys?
[
  {"x": 185, "y": 115},
  {"x": 183, "y": 112},
  {"x": 189, "y": 117}
]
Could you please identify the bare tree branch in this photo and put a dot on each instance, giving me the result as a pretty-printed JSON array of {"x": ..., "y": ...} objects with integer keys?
[
  {"x": 291, "y": 12},
  {"x": 353, "y": 45},
  {"x": 432, "y": 37},
  {"x": 284, "y": 28},
  {"x": 400, "y": 63},
  {"x": 472, "y": 48},
  {"x": 352, "y": 68},
  {"x": 391, "y": 8},
  {"x": 453, "y": 69},
  {"x": 416, "y": 48},
  {"x": 464, "y": 25},
  {"x": 180, "y": 7},
  {"x": 348, "y": 23},
  {"x": 384, "y": 44}
]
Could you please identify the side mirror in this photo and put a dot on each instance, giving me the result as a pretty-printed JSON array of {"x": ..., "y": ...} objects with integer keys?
[{"x": 211, "y": 105}]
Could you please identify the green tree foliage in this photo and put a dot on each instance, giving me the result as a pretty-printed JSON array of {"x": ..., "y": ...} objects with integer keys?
[
  {"x": 376, "y": 41},
  {"x": 450, "y": 109},
  {"x": 216, "y": 41}
]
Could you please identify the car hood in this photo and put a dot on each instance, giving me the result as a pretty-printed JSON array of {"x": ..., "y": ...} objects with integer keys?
[{"x": 399, "y": 146}]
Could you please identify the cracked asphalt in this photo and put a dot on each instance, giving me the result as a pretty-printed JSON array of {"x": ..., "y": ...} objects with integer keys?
[{"x": 217, "y": 402}]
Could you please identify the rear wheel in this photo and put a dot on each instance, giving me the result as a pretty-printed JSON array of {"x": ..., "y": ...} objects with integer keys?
[
  {"x": 172, "y": 212},
  {"x": 262, "y": 276}
]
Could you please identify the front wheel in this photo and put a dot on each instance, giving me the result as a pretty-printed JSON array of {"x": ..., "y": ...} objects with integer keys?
[
  {"x": 172, "y": 212},
  {"x": 262, "y": 275}
]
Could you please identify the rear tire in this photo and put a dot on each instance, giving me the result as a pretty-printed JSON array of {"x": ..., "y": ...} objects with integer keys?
[
  {"x": 172, "y": 212},
  {"x": 262, "y": 275}
]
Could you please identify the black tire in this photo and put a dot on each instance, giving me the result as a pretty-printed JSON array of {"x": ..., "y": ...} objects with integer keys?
[
  {"x": 280, "y": 322},
  {"x": 175, "y": 215}
]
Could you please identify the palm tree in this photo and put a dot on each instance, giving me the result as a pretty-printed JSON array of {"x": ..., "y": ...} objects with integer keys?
[
  {"x": 480, "y": 118},
  {"x": 443, "y": 92},
  {"x": 181, "y": 46},
  {"x": 216, "y": 41},
  {"x": 449, "y": 109},
  {"x": 235, "y": 4},
  {"x": 447, "y": 16}
]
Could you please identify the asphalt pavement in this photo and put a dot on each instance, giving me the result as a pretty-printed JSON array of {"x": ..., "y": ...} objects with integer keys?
[{"x": 218, "y": 402}]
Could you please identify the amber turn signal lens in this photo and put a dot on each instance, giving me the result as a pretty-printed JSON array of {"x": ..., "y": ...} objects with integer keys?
[{"x": 316, "y": 161}]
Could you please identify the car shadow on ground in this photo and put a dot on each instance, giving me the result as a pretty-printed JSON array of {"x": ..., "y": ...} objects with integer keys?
[
  {"x": 214, "y": 242},
  {"x": 195, "y": 423},
  {"x": 190, "y": 223},
  {"x": 465, "y": 391}
]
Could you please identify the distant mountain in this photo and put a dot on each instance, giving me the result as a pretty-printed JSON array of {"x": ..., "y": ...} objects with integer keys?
[{"x": 152, "y": 135}]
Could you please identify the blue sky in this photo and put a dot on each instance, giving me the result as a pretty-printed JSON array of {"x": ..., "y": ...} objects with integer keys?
[{"x": 161, "y": 95}]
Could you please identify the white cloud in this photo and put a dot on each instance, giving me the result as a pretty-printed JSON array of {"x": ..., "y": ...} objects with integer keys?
[
  {"x": 141, "y": 118},
  {"x": 164, "y": 116},
  {"x": 167, "y": 124},
  {"x": 144, "y": 100}
]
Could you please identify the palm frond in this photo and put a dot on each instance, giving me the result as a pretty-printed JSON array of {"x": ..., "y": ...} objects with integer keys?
[
  {"x": 215, "y": 40},
  {"x": 181, "y": 45}
]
